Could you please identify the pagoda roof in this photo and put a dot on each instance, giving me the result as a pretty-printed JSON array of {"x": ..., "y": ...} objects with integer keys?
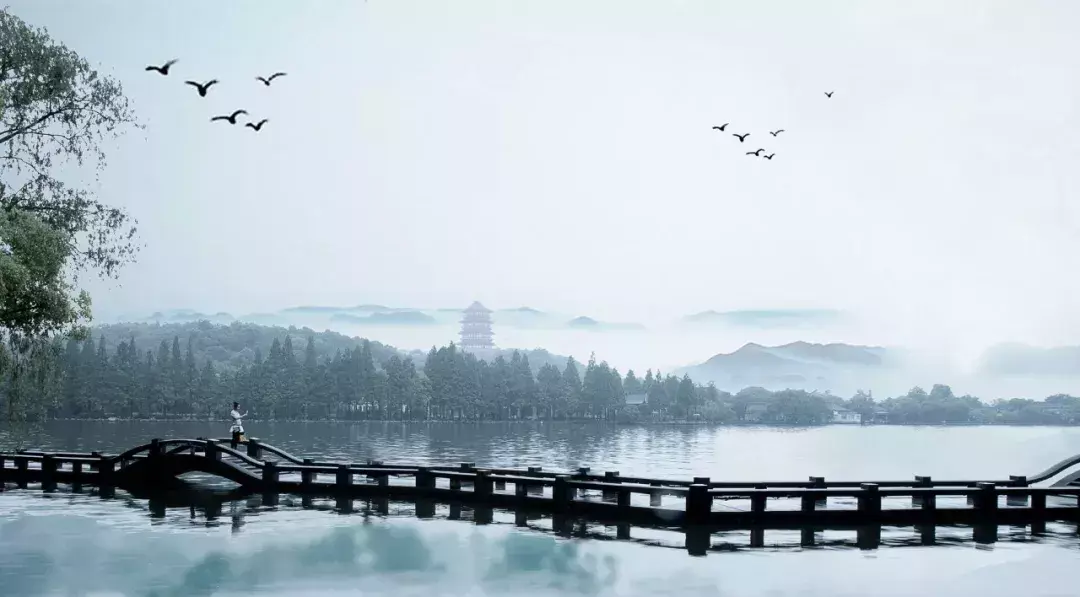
[{"x": 477, "y": 307}]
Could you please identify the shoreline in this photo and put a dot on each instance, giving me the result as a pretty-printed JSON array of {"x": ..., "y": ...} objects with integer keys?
[{"x": 548, "y": 421}]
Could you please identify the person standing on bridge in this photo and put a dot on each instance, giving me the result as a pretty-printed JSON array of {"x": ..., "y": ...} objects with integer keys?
[{"x": 237, "y": 428}]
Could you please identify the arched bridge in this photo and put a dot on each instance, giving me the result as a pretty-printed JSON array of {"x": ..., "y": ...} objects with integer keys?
[{"x": 259, "y": 467}]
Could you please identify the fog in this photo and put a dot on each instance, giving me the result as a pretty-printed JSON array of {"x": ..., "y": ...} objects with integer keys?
[{"x": 559, "y": 154}]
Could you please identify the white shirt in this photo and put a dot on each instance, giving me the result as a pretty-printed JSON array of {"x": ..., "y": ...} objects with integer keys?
[{"x": 235, "y": 414}]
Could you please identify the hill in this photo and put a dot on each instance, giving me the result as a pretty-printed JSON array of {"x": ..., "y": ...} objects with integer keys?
[
  {"x": 231, "y": 346},
  {"x": 795, "y": 365},
  {"x": 382, "y": 315},
  {"x": 387, "y": 318}
]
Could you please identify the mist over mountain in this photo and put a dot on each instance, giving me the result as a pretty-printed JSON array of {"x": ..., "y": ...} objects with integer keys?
[
  {"x": 776, "y": 349},
  {"x": 526, "y": 318},
  {"x": 765, "y": 318},
  {"x": 799, "y": 365}
]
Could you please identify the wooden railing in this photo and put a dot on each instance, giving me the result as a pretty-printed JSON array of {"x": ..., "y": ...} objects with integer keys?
[{"x": 925, "y": 501}]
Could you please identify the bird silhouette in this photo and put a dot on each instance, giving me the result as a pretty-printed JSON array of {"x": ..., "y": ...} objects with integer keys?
[
  {"x": 776, "y": 132},
  {"x": 829, "y": 93},
  {"x": 742, "y": 138},
  {"x": 258, "y": 126},
  {"x": 757, "y": 153},
  {"x": 231, "y": 118},
  {"x": 266, "y": 81},
  {"x": 768, "y": 157},
  {"x": 203, "y": 87},
  {"x": 163, "y": 69},
  {"x": 722, "y": 127}
]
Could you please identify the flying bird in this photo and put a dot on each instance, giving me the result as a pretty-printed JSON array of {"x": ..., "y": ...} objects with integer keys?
[
  {"x": 203, "y": 87},
  {"x": 776, "y": 132},
  {"x": 258, "y": 126},
  {"x": 742, "y": 138},
  {"x": 266, "y": 81},
  {"x": 829, "y": 93},
  {"x": 768, "y": 157},
  {"x": 163, "y": 69},
  {"x": 722, "y": 127},
  {"x": 757, "y": 153},
  {"x": 231, "y": 118}
]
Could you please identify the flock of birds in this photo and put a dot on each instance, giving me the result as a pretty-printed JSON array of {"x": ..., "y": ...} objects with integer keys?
[
  {"x": 742, "y": 137},
  {"x": 203, "y": 88}
]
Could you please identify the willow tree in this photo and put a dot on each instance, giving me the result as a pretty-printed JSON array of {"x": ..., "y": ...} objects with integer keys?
[{"x": 55, "y": 113}]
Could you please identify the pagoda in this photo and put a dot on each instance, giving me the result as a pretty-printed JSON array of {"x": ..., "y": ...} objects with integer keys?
[{"x": 476, "y": 331}]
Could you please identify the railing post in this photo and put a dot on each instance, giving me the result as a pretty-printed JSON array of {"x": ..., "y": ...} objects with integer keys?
[
  {"x": 48, "y": 473},
  {"x": 656, "y": 495},
  {"x": 1017, "y": 500},
  {"x": 270, "y": 483},
  {"x": 986, "y": 504},
  {"x": 920, "y": 481},
  {"x": 986, "y": 499},
  {"x": 466, "y": 467},
  {"x": 537, "y": 488},
  {"x": 425, "y": 480},
  {"x": 307, "y": 477},
  {"x": 212, "y": 452},
  {"x": 869, "y": 502},
  {"x": 757, "y": 516},
  {"x": 1038, "y": 513},
  {"x": 344, "y": 478},
  {"x": 868, "y": 535},
  {"x": 610, "y": 477},
  {"x": 819, "y": 483},
  {"x": 270, "y": 474},
  {"x": 105, "y": 474},
  {"x": 254, "y": 450},
  {"x": 23, "y": 466},
  {"x": 698, "y": 505},
  {"x": 482, "y": 485},
  {"x": 561, "y": 493},
  {"x": 808, "y": 502},
  {"x": 582, "y": 473}
]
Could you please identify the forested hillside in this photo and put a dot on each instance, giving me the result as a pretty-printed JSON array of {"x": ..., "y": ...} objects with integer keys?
[{"x": 229, "y": 346}]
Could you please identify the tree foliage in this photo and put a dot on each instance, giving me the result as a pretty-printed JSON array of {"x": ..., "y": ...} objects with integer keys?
[{"x": 55, "y": 113}]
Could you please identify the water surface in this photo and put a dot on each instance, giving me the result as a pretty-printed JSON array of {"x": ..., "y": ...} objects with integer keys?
[{"x": 65, "y": 544}]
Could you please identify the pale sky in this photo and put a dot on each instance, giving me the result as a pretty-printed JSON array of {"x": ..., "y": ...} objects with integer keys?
[{"x": 559, "y": 154}]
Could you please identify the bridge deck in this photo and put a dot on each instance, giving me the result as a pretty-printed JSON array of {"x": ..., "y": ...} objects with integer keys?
[{"x": 262, "y": 468}]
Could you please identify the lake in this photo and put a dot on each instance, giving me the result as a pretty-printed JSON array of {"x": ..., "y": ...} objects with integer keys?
[{"x": 79, "y": 544}]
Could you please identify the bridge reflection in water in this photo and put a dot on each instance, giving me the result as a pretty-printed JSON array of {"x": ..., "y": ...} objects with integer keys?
[
  {"x": 699, "y": 515},
  {"x": 197, "y": 505}
]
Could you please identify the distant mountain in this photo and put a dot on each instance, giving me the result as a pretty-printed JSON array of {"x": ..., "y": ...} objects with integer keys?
[
  {"x": 318, "y": 315},
  {"x": 391, "y": 318},
  {"x": 795, "y": 365},
  {"x": 770, "y": 318},
  {"x": 588, "y": 323},
  {"x": 184, "y": 315},
  {"x": 1021, "y": 360},
  {"x": 529, "y": 310}
]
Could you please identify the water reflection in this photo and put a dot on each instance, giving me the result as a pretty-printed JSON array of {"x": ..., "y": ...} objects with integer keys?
[{"x": 63, "y": 543}]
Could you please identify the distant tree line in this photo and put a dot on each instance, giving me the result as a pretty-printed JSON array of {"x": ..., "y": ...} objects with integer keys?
[{"x": 332, "y": 377}]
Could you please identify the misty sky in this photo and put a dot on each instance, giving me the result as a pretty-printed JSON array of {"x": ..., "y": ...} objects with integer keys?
[{"x": 558, "y": 154}]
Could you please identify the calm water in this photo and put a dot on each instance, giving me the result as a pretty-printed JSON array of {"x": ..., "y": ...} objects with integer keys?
[{"x": 65, "y": 544}]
